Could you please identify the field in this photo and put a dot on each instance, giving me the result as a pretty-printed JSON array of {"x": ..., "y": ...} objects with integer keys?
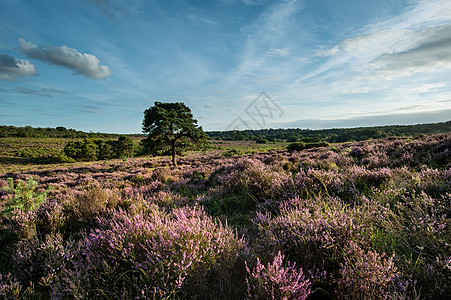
[{"x": 362, "y": 220}]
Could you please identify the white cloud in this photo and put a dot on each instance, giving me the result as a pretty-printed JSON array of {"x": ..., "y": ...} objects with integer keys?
[
  {"x": 425, "y": 13},
  {"x": 11, "y": 67},
  {"x": 425, "y": 88},
  {"x": 199, "y": 20},
  {"x": 431, "y": 51},
  {"x": 82, "y": 63},
  {"x": 327, "y": 52},
  {"x": 367, "y": 47},
  {"x": 418, "y": 40},
  {"x": 278, "y": 52},
  {"x": 363, "y": 90}
]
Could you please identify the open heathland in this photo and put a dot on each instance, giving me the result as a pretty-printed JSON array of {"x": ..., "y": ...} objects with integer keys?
[{"x": 360, "y": 220}]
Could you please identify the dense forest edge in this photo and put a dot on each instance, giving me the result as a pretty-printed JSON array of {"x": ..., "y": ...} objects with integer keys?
[
  {"x": 334, "y": 135},
  {"x": 58, "y": 132}
]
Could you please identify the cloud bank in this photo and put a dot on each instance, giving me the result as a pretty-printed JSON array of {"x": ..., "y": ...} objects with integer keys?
[
  {"x": 373, "y": 120},
  {"x": 432, "y": 52},
  {"x": 11, "y": 67},
  {"x": 82, "y": 63}
]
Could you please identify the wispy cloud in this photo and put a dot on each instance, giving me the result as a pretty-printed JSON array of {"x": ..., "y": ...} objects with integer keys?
[
  {"x": 91, "y": 109},
  {"x": 82, "y": 63},
  {"x": 363, "y": 90},
  {"x": 266, "y": 39},
  {"x": 425, "y": 88},
  {"x": 112, "y": 9},
  {"x": 11, "y": 68},
  {"x": 200, "y": 20},
  {"x": 418, "y": 40},
  {"x": 322, "y": 52},
  {"x": 278, "y": 52},
  {"x": 29, "y": 91}
]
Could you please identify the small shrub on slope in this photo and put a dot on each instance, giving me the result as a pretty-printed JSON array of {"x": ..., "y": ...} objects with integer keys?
[
  {"x": 24, "y": 196},
  {"x": 274, "y": 281},
  {"x": 247, "y": 185},
  {"x": 158, "y": 255},
  {"x": 366, "y": 275}
]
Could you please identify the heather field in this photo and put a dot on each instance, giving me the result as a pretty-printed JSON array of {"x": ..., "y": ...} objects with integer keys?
[{"x": 362, "y": 220}]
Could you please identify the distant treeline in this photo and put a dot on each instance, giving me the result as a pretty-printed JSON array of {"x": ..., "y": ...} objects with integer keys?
[
  {"x": 336, "y": 135},
  {"x": 58, "y": 132}
]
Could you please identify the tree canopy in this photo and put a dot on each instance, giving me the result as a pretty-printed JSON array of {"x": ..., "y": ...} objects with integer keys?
[
  {"x": 334, "y": 135},
  {"x": 171, "y": 127},
  {"x": 89, "y": 149}
]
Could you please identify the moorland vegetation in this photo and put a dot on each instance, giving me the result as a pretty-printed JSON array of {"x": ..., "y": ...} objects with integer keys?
[{"x": 353, "y": 220}]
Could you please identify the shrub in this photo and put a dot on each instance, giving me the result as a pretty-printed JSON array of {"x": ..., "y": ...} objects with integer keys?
[
  {"x": 297, "y": 146},
  {"x": 314, "y": 232},
  {"x": 317, "y": 144},
  {"x": 124, "y": 147},
  {"x": 36, "y": 152},
  {"x": 261, "y": 141},
  {"x": 24, "y": 196},
  {"x": 233, "y": 152},
  {"x": 243, "y": 187},
  {"x": 153, "y": 255},
  {"x": 32, "y": 259},
  {"x": 357, "y": 152},
  {"x": 83, "y": 209},
  {"x": 81, "y": 150},
  {"x": 63, "y": 158},
  {"x": 88, "y": 149},
  {"x": 105, "y": 150},
  {"x": 366, "y": 275},
  {"x": 10, "y": 288},
  {"x": 162, "y": 174},
  {"x": 274, "y": 281}
]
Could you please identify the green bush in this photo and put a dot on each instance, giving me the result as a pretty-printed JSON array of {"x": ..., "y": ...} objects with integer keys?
[
  {"x": 63, "y": 158},
  {"x": 35, "y": 152},
  {"x": 124, "y": 147},
  {"x": 299, "y": 146},
  {"x": 105, "y": 150},
  {"x": 81, "y": 150},
  {"x": 24, "y": 196},
  {"x": 88, "y": 149},
  {"x": 233, "y": 152}
]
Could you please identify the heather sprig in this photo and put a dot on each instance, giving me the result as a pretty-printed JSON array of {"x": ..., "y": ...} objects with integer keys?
[
  {"x": 366, "y": 275},
  {"x": 276, "y": 280}
]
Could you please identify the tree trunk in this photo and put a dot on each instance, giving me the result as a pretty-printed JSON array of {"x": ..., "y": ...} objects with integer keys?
[{"x": 174, "y": 161}]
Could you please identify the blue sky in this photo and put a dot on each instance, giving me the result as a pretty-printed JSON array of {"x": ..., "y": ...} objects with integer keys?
[{"x": 96, "y": 65}]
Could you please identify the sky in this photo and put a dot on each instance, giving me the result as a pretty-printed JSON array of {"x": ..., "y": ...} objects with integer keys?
[{"x": 96, "y": 65}]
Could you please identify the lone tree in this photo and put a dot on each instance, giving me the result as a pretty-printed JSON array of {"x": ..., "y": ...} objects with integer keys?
[{"x": 171, "y": 126}]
